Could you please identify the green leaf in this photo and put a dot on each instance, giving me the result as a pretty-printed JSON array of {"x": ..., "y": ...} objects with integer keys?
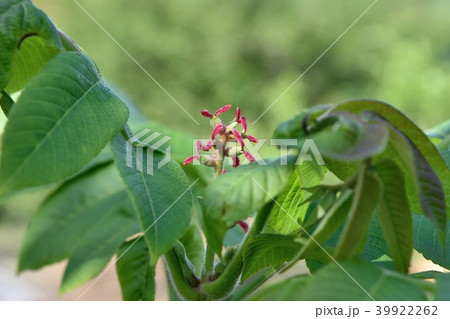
[
  {"x": 332, "y": 220},
  {"x": 351, "y": 139},
  {"x": 89, "y": 260},
  {"x": 193, "y": 244},
  {"x": 366, "y": 198},
  {"x": 34, "y": 53},
  {"x": 214, "y": 231},
  {"x": 415, "y": 136},
  {"x": 28, "y": 40},
  {"x": 428, "y": 243},
  {"x": 332, "y": 283},
  {"x": 163, "y": 200},
  {"x": 267, "y": 250},
  {"x": 427, "y": 184},
  {"x": 84, "y": 211},
  {"x": 375, "y": 249},
  {"x": 136, "y": 275},
  {"x": 442, "y": 287},
  {"x": 428, "y": 274},
  {"x": 60, "y": 122},
  {"x": 395, "y": 216},
  {"x": 241, "y": 192},
  {"x": 285, "y": 290},
  {"x": 290, "y": 199},
  {"x": 233, "y": 236},
  {"x": 6, "y": 102},
  {"x": 440, "y": 131},
  {"x": 343, "y": 136}
]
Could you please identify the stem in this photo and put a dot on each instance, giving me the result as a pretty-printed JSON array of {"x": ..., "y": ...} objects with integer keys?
[
  {"x": 178, "y": 281},
  {"x": 223, "y": 285},
  {"x": 251, "y": 285},
  {"x": 209, "y": 262}
]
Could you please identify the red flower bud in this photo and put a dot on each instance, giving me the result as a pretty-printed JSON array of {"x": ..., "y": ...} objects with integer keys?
[
  {"x": 223, "y": 109},
  {"x": 238, "y": 137},
  {"x": 236, "y": 161},
  {"x": 208, "y": 145},
  {"x": 206, "y": 113},
  {"x": 244, "y": 226},
  {"x": 199, "y": 147},
  {"x": 248, "y": 156},
  {"x": 252, "y": 138},
  {"x": 224, "y": 171},
  {"x": 190, "y": 159},
  {"x": 237, "y": 115},
  {"x": 244, "y": 124},
  {"x": 218, "y": 129}
]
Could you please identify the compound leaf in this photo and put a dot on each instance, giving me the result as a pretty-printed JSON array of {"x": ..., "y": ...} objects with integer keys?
[
  {"x": 85, "y": 220},
  {"x": 28, "y": 40},
  {"x": 395, "y": 215},
  {"x": 60, "y": 122},
  {"x": 136, "y": 275},
  {"x": 267, "y": 250},
  {"x": 162, "y": 200}
]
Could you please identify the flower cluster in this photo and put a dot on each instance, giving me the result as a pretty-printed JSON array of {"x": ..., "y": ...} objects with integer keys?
[{"x": 218, "y": 145}]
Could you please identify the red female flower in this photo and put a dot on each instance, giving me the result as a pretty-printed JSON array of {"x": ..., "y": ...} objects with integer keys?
[
  {"x": 208, "y": 145},
  {"x": 218, "y": 129},
  {"x": 251, "y": 138},
  {"x": 249, "y": 156},
  {"x": 243, "y": 123},
  {"x": 190, "y": 159},
  {"x": 238, "y": 138},
  {"x": 227, "y": 132},
  {"x": 206, "y": 113},
  {"x": 223, "y": 109}
]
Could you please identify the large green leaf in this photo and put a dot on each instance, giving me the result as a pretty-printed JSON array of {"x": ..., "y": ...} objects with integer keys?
[
  {"x": 162, "y": 200},
  {"x": 82, "y": 220},
  {"x": 193, "y": 244},
  {"x": 241, "y": 192},
  {"x": 28, "y": 40},
  {"x": 86, "y": 262},
  {"x": 415, "y": 136},
  {"x": 60, "y": 122},
  {"x": 427, "y": 184},
  {"x": 289, "y": 200},
  {"x": 395, "y": 215},
  {"x": 443, "y": 287},
  {"x": 267, "y": 250},
  {"x": 366, "y": 198},
  {"x": 33, "y": 54},
  {"x": 349, "y": 281},
  {"x": 375, "y": 249},
  {"x": 338, "y": 136},
  {"x": 328, "y": 225},
  {"x": 136, "y": 275},
  {"x": 308, "y": 174},
  {"x": 285, "y": 290},
  {"x": 428, "y": 243}
]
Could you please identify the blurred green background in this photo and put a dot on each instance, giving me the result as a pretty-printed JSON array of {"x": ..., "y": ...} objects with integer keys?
[{"x": 246, "y": 53}]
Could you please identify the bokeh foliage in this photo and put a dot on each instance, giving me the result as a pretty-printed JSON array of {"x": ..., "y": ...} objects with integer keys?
[{"x": 246, "y": 53}]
